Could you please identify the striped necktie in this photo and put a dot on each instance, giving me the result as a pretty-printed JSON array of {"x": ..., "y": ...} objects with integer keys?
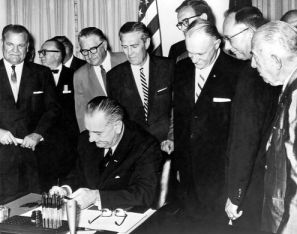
[
  {"x": 145, "y": 92},
  {"x": 199, "y": 86},
  {"x": 13, "y": 75}
]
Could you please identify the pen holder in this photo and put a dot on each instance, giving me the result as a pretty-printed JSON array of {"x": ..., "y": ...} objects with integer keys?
[
  {"x": 52, "y": 212},
  {"x": 71, "y": 215}
]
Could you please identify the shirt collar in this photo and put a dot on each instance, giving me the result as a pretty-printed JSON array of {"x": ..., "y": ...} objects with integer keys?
[
  {"x": 145, "y": 65},
  {"x": 106, "y": 63},
  {"x": 68, "y": 63},
  {"x": 205, "y": 71},
  {"x": 18, "y": 67}
]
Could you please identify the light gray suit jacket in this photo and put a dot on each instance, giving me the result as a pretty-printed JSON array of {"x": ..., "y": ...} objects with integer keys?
[{"x": 87, "y": 86}]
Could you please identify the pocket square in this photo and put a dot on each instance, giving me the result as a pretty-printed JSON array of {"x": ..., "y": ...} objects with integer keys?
[
  {"x": 160, "y": 90},
  {"x": 117, "y": 177},
  {"x": 66, "y": 91},
  {"x": 37, "y": 92},
  {"x": 221, "y": 99}
]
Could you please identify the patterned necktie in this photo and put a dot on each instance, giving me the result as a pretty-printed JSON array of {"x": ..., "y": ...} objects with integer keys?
[
  {"x": 13, "y": 75},
  {"x": 145, "y": 92},
  {"x": 199, "y": 86},
  {"x": 106, "y": 160},
  {"x": 103, "y": 74}
]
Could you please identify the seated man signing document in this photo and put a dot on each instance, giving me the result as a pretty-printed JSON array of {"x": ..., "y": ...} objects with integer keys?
[{"x": 119, "y": 163}]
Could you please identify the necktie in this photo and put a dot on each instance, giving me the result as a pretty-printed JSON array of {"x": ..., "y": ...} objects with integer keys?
[
  {"x": 106, "y": 160},
  {"x": 103, "y": 74},
  {"x": 55, "y": 71},
  {"x": 199, "y": 86},
  {"x": 13, "y": 75},
  {"x": 145, "y": 92}
]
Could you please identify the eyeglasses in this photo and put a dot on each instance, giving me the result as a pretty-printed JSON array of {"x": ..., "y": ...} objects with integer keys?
[
  {"x": 109, "y": 213},
  {"x": 43, "y": 52},
  {"x": 185, "y": 22},
  {"x": 226, "y": 38},
  {"x": 93, "y": 50}
]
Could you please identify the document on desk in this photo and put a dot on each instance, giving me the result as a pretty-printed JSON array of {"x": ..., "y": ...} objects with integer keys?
[{"x": 131, "y": 222}]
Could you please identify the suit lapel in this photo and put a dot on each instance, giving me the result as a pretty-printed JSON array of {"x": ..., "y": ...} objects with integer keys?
[
  {"x": 118, "y": 156},
  {"x": 5, "y": 85},
  {"x": 94, "y": 82},
  {"x": 26, "y": 82},
  {"x": 153, "y": 82}
]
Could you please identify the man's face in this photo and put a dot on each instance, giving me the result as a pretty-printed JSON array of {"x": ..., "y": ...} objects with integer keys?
[
  {"x": 50, "y": 57},
  {"x": 237, "y": 38},
  {"x": 103, "y": 133},
  {"x": 134, "y": 47},
  {"x": 15, "y": 47},
  {"x": 98, "y": 49},
  {"x": 185, "y": 17},
  {"x": 265, "y": 63},
  {"x": 202, "y": 49}
]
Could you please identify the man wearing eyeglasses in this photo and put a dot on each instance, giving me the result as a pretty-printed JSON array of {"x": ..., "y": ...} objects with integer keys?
[
  {"x": 187, "y": 12},
  {"x": 90, "y": 79},
  {"x": 204, "y": 86},
  {"x": 28, "y": 110},
  {"x": 60, "y": 152},
  {"x": 252, "y": 113}
]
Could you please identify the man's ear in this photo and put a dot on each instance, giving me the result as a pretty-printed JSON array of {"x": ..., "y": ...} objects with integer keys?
[
  {"x": 118, "y": 126},
  {"x": 203, "y": 16},
  {"x": 217, "y": 43},
  {"x": 147, "y": 43},
  {"x": 277, "y": 61}
]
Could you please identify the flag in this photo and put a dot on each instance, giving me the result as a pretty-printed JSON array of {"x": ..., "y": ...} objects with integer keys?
[{"x": 148, "y": 14}]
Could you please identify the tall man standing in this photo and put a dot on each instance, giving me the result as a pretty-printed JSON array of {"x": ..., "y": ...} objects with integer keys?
[
  {"x": 28, "y": 109},
  {"x": 275, "y": 57},
  {"x": 203, "y": 92},
  {"x": 252, "y": 113},
  {"x": 90, "y": 79},
  {"x": 143, "y": 83}
]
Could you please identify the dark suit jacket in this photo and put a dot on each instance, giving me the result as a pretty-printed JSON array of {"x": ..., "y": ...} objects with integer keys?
[
  {"x": 177, "y": 49},
  {"x": 253, "y": 110},
  {"x": 77, "y": 63},
  {"x": 34, "y": 112},
  {"x": 122, "y": 87},
  {"x": 58, "y": 156},
  {"x": 201, "y": 131},
  {"x": 131, "y": 178}
]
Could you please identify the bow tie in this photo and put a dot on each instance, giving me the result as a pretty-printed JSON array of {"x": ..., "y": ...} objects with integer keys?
[{"x": 55, "y": 71}]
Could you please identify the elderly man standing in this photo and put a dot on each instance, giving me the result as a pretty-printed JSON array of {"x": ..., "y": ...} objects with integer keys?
[
  {"x": 275, "y": 57},
  {"x": 90, "y": 79},
  {"x": 28, "y": 109},
  {"x": 252, "y": 113},
  {"x": 203, "y": 93}
]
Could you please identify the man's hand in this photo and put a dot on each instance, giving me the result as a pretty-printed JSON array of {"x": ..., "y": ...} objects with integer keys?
[
  {"x": 58, "y": 190},
  {"x": 6, "y": 138},
  {"x": 31, "y": 140},
  {"x": 167, "y": 146},
  {"x": 232, "y": 210},
  {"x": 84, "y": 197}
]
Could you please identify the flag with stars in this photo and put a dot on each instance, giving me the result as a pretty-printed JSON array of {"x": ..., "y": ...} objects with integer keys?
[{"x": 148, "y": 14}]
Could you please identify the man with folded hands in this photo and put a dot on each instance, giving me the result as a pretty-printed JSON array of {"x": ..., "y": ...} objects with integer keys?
[
  {"x": 28, "y": 109},
  {"x": 203, "y": 91},
  {"x": 119, "y": 163}
]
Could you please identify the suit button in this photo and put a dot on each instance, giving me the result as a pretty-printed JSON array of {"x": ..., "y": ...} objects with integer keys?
[
  {"x": 192, "y": 135},
  {"x": 266, "y": 167},
  {"x": 195, "y": 117}
]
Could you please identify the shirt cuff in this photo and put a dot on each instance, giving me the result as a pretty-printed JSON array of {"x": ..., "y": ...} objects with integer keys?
[{"x": 67, "y": 188}]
